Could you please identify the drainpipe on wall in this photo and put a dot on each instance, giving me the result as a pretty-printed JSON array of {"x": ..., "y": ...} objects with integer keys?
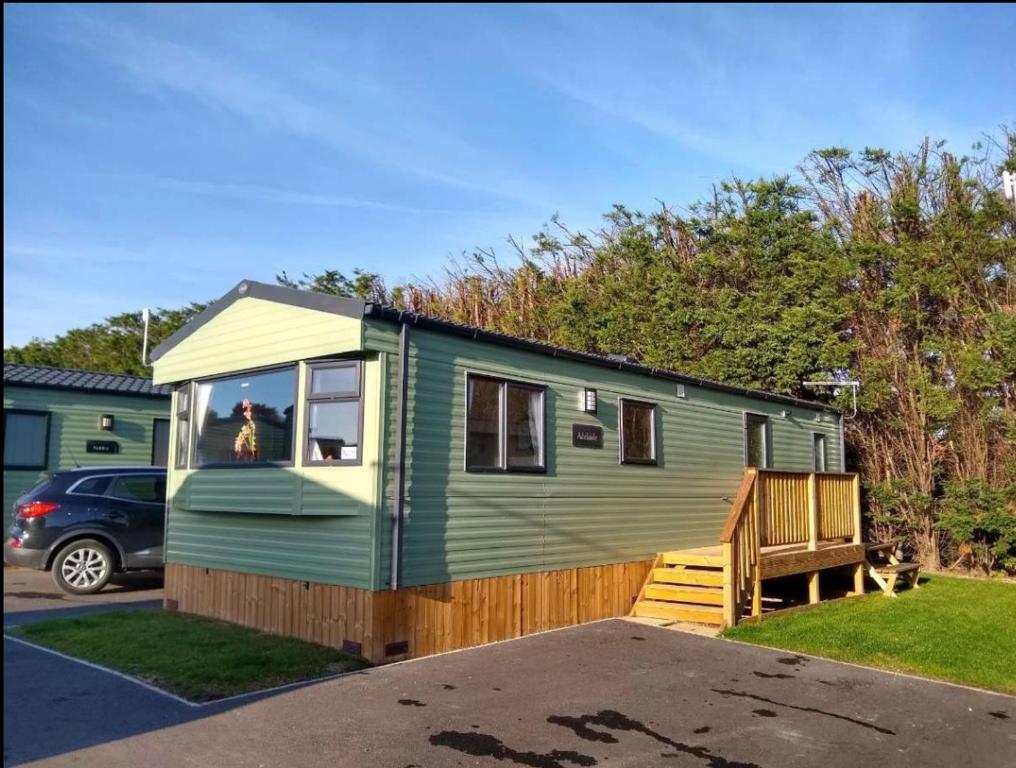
[{"x": 400, "y": 453}]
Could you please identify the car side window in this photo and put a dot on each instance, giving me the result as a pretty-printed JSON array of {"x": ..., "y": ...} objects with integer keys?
[
  {"x": 92, "y": 486},
  {"x": 146, "y": 488}
]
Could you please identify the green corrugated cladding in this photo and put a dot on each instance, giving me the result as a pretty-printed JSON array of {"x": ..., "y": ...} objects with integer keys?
[
  {"x": 74, "y": 421},
  {"x": 384, "y": 338},
  {"x": 588, "y": 509}
]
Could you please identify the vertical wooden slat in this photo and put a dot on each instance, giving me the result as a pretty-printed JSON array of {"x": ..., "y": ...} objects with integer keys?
[
  {"x": 729, "y": 579},
  {"x": 855, "y": 498},
  {"x": 812, "y": 512}
]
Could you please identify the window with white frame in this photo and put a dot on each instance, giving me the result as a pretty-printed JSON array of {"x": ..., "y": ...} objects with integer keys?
[
  {"x": 334, "y": 413},
  {"x": 505, "y": 428},
  {"x": 182, "y": 425}
]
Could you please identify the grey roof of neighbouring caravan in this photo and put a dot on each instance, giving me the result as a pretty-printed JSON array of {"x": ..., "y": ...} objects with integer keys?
[
  {"x": 24, "y": 375},
  {"x": 349, "y": 307}
]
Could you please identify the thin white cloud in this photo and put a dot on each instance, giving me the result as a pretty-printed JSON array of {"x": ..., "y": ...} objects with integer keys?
[
  {"x": 348, "y": 116},
  {"x": 744, "y": 87},
  {"x": 260, "y": 193}
]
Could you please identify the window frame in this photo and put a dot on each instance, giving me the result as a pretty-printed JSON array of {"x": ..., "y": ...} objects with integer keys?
[
  {"x": 816, "y": 439},
  {"x": 654, "y": 461},
  {"x": 45, "y": 453},
  {"x": 192, "y": 443},
  {"x": 502, "y": 421},
  {"x": 338, "y": 396},
  {"x": 183, "y": 416},
  {"x": 767, "y": 440},
  {"x": 117, "y": 477},
  {"x": 72, "y": 490},
  {"x": 169, "y": 444}
]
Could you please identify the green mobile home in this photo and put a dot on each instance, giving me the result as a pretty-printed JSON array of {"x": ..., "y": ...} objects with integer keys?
[
  {"x": 57, "y": 418},
  {"x": 367, "y": 477}
]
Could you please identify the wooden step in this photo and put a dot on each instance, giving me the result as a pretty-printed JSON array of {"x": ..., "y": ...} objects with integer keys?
[
  {"x": 685, "y": 594},
  {"x": 701, "y": 614},
  {"x": 899, "y": 568},
  {"x": 689, "y": 576},
  {"x": 688, "y": 558}
]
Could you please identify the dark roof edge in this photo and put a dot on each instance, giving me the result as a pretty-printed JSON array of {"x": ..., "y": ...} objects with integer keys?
[
  {"x": 357, "y": 308},
  {"x": 252, "y": 289},
  {"x": 529, "y": 345},
  {"x": 89, "y": 390}
]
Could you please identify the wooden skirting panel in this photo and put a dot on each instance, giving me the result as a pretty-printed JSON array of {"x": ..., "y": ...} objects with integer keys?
[{"x": 412, "y": 622}]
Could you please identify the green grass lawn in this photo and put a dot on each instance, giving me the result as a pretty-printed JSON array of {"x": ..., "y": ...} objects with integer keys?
[
  {"x": 199, "y": 659},
  {"x": 962, "y": 630}
]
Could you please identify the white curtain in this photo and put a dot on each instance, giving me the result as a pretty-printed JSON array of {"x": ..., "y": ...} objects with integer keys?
[
  {"x": 202, "y": 398},
  {"x": 536, "y": 424}
]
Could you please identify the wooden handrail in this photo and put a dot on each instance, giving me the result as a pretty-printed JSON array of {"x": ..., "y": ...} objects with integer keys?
[{"x": 740, "y": 504}]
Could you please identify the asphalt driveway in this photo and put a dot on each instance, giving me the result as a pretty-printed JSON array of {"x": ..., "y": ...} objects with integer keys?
[
  {"x": 31, "y": 595},
  {"x": 607, "y": 694}
]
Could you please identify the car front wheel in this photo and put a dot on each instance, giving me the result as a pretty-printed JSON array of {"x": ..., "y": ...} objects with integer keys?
[{"x": 83, "y": 568}]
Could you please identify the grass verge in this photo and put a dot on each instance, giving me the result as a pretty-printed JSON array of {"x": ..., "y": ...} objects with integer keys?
[
  {"x": 198, "y": 659},
  {"x": 960, "y": 630}
]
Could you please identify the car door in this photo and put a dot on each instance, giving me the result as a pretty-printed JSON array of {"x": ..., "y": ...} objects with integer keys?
[{"x": 138, "y": 505}]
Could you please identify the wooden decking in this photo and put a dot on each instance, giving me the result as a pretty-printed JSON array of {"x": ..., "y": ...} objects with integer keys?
[
  {"x": 788, "y": 559},
  {"x": 780, "y": 524}
]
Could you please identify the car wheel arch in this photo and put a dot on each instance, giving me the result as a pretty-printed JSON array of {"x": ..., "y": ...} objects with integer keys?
[{"x": 119, "y": 556}]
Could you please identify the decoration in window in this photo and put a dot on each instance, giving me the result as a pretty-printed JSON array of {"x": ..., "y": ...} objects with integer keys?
[{"x": 246, "y": 444}]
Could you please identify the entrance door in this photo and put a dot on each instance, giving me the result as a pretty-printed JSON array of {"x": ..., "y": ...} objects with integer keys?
[
  {"x": 160, "y": 442},
  {"x": 756, "y": 441}
]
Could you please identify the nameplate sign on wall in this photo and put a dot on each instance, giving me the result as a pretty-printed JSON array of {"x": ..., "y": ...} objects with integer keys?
[
  {"x": 102, "y": 446},
  {"x": 586, "y": 436}
]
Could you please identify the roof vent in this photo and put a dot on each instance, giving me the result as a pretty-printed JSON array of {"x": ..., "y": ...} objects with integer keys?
[{"x": 242, "y": 288}]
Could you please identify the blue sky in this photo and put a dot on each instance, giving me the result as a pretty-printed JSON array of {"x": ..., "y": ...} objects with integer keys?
[{"x": 156, "y": 154}]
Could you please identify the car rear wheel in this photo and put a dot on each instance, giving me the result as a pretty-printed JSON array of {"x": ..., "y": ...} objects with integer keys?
[{"x": 83, "y": 568}]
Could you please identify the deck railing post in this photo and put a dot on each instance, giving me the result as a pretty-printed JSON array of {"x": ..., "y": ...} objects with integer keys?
[
  {"x": 729, "y": 599},
  {"x": 859, "y": 568},
  {"x": 812, "y": 512},
  {"x": 856, "y": 496}
]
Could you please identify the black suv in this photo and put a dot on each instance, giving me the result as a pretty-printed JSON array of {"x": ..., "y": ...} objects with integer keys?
[{"x": 87, "y": 524}]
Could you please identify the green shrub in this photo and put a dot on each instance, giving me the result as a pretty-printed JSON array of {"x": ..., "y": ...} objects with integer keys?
[{"x": 981, "y": 522}]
